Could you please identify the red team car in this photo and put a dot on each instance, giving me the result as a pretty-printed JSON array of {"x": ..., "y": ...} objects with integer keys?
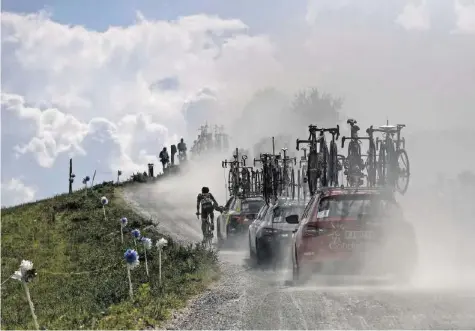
[{"x": 353, "y": 228}]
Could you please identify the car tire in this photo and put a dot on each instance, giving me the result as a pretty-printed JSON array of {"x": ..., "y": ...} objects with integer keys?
[
  {"x": 259, "y": 254},
  {"x": 296, "y": 276},
  {"x": 252, "y": 254}
]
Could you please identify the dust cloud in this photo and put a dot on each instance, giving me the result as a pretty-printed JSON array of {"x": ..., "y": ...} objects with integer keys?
[{"x": 424, "y": 80}]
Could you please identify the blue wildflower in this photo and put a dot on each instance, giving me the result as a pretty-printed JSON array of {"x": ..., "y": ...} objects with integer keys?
[
  {"x": 131, "y": 258},
  {"x": 136, "y": 233}
]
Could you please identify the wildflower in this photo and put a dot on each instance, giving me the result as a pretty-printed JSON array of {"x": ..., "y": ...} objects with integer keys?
[
  {"x": 132, "y": 258},
  {"x": 161, "y": 243},
  {"x": 25, "y": 274},
  {"x": 136, "y": 233},
  {"x": 104, "y": 202},
  {"x": 123, "y": 221},
  {"x": 147, "y": 242}
]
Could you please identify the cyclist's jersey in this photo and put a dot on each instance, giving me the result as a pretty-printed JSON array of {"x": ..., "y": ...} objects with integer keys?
[{"x": 207, "y": 201}]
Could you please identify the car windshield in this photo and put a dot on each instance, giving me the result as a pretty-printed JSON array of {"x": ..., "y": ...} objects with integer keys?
[
  {"x": 355, "y": 206},
  {"x": 280, "y": 213},
  {"x": 251, "y": 206}
]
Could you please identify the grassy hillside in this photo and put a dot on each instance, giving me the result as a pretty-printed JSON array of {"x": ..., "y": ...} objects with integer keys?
[{"x": 82, "y": 279}]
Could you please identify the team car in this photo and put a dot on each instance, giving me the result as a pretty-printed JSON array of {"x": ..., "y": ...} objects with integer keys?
[
  {"x": 353, "y": 229},
  {"x": 271, "y": 232},
  {"x": 237, "y": 215}
]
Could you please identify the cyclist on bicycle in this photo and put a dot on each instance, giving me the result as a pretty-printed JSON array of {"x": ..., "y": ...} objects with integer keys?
[{"x": 208, "y": 204}]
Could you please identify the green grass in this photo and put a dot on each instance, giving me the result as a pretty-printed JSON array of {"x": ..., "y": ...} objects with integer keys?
[{"x": 82, "y": 278}]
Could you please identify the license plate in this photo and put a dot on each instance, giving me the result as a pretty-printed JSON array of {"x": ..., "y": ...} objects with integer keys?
[
  {"x": 357, "y": 235},
  {"x": 284, "y": 235}
]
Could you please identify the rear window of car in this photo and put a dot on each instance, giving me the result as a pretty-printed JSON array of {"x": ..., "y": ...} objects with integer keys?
[
  {"x": 251, "y": 206},
  {"x": 354, "y": 206},
  {"x": 280, "y": 213}
]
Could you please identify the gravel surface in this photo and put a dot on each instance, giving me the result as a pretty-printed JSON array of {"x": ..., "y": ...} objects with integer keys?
[{"x": 250, "y": 298}]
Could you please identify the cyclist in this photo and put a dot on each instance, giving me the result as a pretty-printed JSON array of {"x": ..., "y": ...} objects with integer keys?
[{"x": 208, "y": 203}]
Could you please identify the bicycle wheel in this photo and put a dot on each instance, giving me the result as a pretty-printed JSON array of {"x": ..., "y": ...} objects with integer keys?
[
  {"x": 312, "y": 172},
  {"x": 324, "y": 166},
  {"x": 266, "y": 183},
  {"x": 292, "y": 183},
  {"x": 333, "y": 167},
  {"x": 275, "y": 183},
  {"x": 230, "y": 182},
  {"x": 371, "y": 165},
  {"x": 383, "y": 166},
  {"x": 352, "y": 164},
  {"x": 299, "y": 185},
  {"x": 402, "y": 182}
]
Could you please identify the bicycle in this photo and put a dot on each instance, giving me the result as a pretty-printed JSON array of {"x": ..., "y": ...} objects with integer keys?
[
  {"x": 317, "y": 162},
  {"x": 182, "y": 156},
  {"x": 333, "y": 166},
  {"x": 371, "y": 163},
  {"x": 267, "y": 176},
  {"x": 287, "y": 177},
  {"x": 234, "y": 178},
  {"x": 390, "y": 153},
  {"x": 302, "y": 176},
  {"x": 353, "y": 163},
  {"x": 208, "y": 235}
]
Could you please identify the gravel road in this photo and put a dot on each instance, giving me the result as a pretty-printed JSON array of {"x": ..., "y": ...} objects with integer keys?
[{"x": 248, "y": 298}]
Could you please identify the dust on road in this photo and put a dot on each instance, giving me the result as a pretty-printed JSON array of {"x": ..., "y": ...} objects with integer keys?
[{"x": 249, "y": 298}]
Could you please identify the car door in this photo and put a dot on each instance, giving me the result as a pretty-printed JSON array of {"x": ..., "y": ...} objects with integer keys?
[
  {"x": 256, "y": 224},
  {"x": 309, "y": 210}
]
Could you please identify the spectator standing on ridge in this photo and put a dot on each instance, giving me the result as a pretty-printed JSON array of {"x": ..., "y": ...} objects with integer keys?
[
  {"x": 173, "y": 151},
  {"x": 164, "y": 158},
  {"x": 182, "y": 149}
]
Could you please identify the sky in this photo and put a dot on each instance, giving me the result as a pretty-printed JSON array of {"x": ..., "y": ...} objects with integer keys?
[{"x": 110, "y": 82}]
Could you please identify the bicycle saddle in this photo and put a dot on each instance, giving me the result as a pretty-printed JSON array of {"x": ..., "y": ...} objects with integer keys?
[{"x": 351, "y": 121}]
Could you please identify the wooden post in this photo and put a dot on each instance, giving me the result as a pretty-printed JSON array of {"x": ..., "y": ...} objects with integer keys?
[{"x": 71, "y": 176}]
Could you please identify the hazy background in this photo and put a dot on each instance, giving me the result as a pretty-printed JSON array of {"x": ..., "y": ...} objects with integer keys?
[{"x": 111, "y": 83}]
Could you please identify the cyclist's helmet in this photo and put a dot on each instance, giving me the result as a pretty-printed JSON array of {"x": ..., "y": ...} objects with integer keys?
[{"x": 204, "y": 189}]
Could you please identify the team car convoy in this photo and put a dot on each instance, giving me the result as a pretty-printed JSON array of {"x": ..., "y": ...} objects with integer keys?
[{"x": 323, "y": 210}]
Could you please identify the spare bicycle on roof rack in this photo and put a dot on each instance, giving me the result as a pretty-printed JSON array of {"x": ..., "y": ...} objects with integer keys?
[
  {"x": 393, "y": 167},
  {"x": 386, "y": 164},
  {"x": 322, "y": 162}
]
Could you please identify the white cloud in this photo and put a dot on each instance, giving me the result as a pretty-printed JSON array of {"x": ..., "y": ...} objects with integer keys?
[
  {"x": 15, "y": 192},
  {"x": 465, "y": 12},
  {"x": 76, "y": 76},
  {"x": 70, "y": 90},
  {"x": 415, "y": 16}
]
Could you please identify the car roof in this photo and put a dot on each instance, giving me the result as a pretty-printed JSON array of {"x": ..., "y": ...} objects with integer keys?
[
  {"x": 337, "y": 191},
  {"x": 284, "y": 202}
]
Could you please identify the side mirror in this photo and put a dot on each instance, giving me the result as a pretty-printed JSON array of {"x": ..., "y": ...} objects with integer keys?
[{"x": 292, "y": 219}]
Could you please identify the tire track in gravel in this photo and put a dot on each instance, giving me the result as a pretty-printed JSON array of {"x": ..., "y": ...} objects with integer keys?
[{"x": 246, "y": 298}]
